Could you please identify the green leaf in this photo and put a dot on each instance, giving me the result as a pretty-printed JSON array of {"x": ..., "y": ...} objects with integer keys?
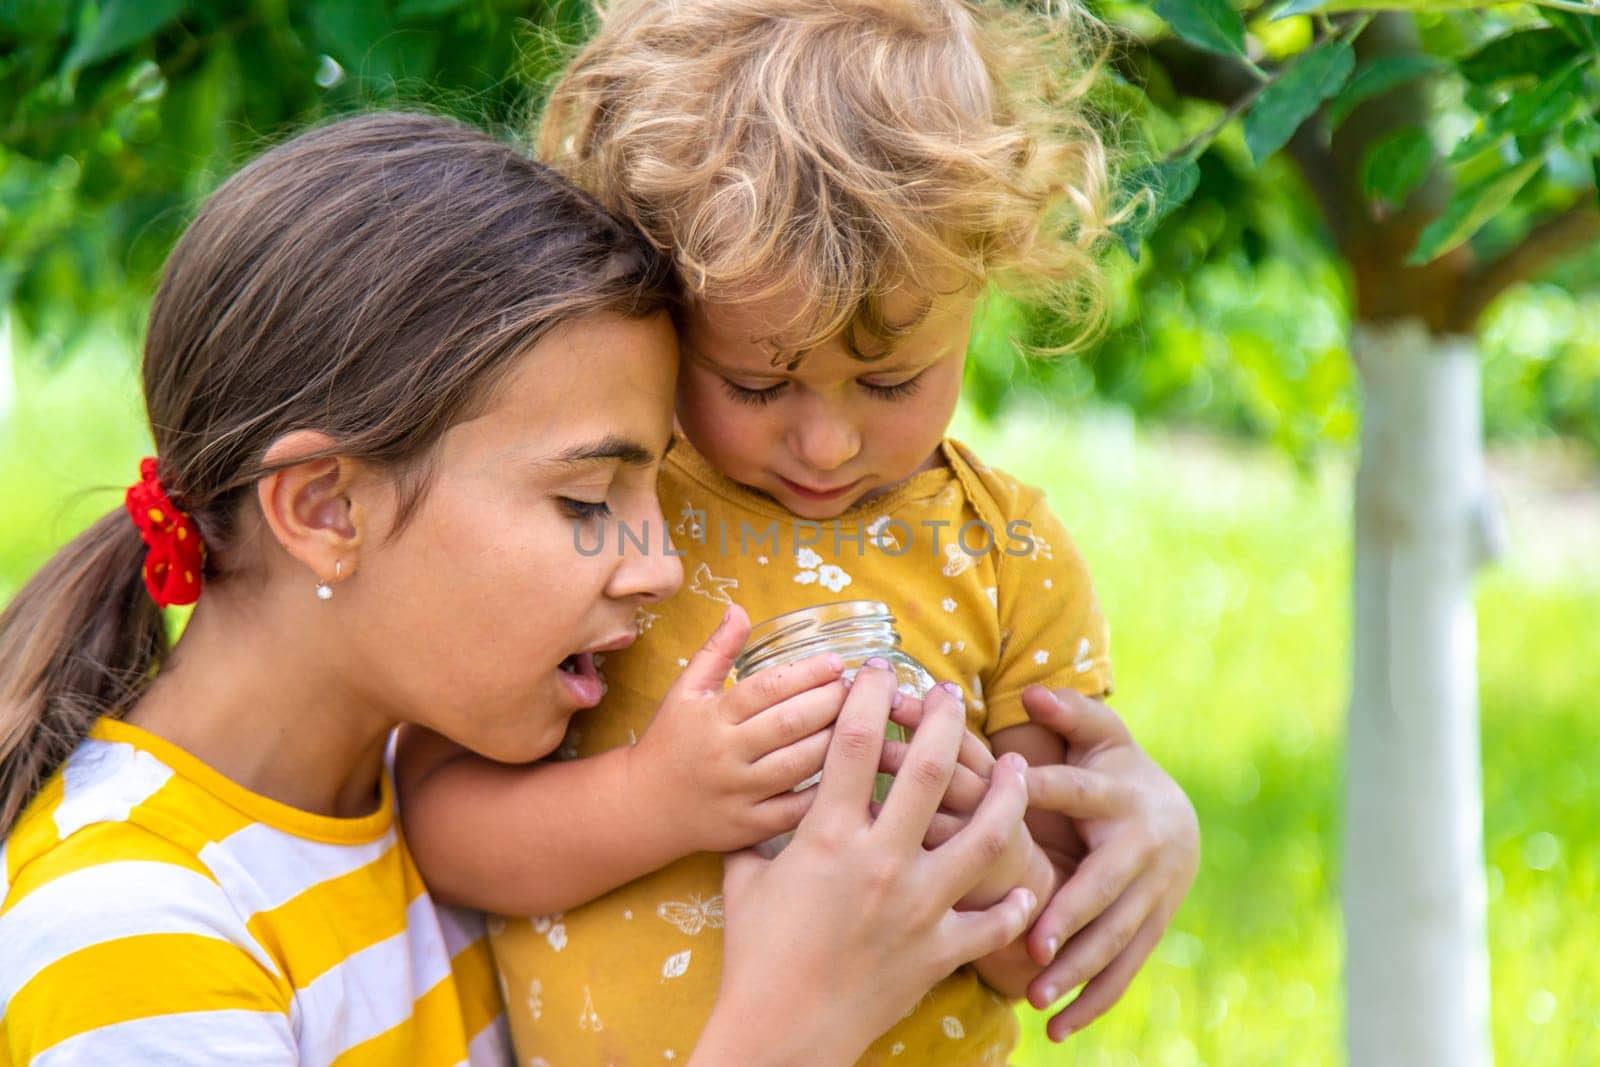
[
  {"x": 1305, "y": 7},
  {"x": 1213, "y": 25},
  {"x": 1295, "y": 95},
  {"x": 120, "y": 25},
  {"x": 1298, "y": 7},
  {"x": 1380, "y": 76},
  {"x": 1469, "y": 208},
  {"x": 1581, "y": 137},
  {"x": 1549, "y": 104},
  {"x": 1581, "y": 30},
  {"x": 351, "y": 29},
  {"x": 1396, "y": 165},
  {"x": 1516, "y": 55},
  {"x": 414, "y": 10},
  {"x": 1475, "y": 145},
  {"x": 35, "y": 18},
  {"x": 362, "y": 36}
]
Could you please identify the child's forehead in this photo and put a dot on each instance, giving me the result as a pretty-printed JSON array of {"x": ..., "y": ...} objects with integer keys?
[
  {"x": 747, "y": 340},
  {"x": 758, "y": 328}
]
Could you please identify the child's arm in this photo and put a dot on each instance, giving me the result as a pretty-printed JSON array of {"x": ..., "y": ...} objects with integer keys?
[{"x": 713, "y": 772}]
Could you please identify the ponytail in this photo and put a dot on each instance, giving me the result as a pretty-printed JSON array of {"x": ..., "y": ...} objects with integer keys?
[{"x": 80, "y": 640}]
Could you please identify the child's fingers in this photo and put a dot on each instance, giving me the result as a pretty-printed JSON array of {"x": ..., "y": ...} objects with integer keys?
[
  {"x": 795, "y": 719},
  {"x": 851, "y": 766},
  {"x": 971, "y": 935},
  {"x": 928, "y": 767},
  {"x": 782, "y": 813},
  {"x": 1084, "y": 722},
  {"x": 966, "y": 787},
  {"x": 1091, "y": 950},
  {"x": 1100, "y": 880},
  {"x": 1077, "y": 792},
  {"x": 776, "y": 684},
  {"x": 780, "y": 771},
  {"x": 967, "y": 858},
  {"x": 1107, "y": 987},
  {"x": 908, "y": 712},
  {"x": 708, "y": 668},
  {"x": 974, "y": 753}
]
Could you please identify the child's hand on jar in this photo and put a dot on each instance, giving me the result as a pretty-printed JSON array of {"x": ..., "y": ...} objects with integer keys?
[
  {"x": 969, "y": 784},
  {"x": 720, "y": 764}
]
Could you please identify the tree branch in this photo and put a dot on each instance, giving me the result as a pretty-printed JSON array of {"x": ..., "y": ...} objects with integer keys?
[{"x": 1575, "y": 228}]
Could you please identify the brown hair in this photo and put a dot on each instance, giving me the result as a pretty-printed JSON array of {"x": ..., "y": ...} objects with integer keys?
[
  {"x": 371, "y": 280},
  {"x": 840, "y": 150}
]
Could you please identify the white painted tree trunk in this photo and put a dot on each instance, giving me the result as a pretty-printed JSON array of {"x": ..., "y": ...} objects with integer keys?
[{"x": 1416, "y": 973}]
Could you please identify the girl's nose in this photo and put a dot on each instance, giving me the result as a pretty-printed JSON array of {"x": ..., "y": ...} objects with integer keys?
[
  {"x": 647, "y": 567},
  {"x": 653, "y": 574}
]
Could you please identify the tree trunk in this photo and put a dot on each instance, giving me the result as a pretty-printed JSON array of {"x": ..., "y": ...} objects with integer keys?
[{"x": 1416, "y": 973}]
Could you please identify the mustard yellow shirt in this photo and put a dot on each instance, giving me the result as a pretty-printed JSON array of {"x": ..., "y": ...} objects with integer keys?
[
  {"x": 988, "y": 591},
  {"x": 152, "y": 911}
]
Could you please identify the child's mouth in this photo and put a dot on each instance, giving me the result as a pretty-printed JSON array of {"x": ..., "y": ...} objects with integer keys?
[{"x": 808, "y": 493}]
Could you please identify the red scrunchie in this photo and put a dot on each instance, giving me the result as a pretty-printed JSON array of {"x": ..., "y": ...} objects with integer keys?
[{"x": 172, "y": 566}]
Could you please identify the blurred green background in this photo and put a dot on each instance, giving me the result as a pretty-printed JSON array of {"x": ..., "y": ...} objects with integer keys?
[{"x": 1201, "y": 452}]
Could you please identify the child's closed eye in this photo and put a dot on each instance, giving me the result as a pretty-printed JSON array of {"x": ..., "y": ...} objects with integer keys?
[
  {"x": 896, "y": 391},
  {"x": 753, "y": 397}
]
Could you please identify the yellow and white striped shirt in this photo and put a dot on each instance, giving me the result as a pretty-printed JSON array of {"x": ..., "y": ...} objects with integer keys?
[{"x": 152, "y": 911}]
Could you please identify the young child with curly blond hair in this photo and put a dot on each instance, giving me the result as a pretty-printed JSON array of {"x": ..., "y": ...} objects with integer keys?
[{"x": 838, "y": 182}]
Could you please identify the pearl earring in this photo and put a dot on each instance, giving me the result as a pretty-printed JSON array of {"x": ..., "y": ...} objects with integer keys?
[{"x": 324, "y": 589}]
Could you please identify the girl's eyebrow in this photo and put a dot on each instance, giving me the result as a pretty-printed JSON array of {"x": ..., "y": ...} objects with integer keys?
[{"x": 609, "y": 447}]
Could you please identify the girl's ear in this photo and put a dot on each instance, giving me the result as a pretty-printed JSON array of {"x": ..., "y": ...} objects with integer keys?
[{"x": 308, "y": 505}]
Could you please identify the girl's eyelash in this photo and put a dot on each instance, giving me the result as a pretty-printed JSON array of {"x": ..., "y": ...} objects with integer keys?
[
  {"x": 753, "y": 397},
  {"x": 584, "y": 509}
]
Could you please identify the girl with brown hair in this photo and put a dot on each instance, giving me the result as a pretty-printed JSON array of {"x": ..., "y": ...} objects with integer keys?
[{"x": 391, "y": 364}]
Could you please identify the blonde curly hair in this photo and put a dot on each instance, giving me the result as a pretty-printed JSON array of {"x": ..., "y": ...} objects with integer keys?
[{"x": 834, "y": 152}]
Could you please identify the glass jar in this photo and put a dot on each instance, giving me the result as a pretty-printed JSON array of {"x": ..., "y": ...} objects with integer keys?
[{"x": 856, "y": 630}]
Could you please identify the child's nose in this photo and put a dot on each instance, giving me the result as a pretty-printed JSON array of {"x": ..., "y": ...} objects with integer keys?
[{"x": 826, "y": 443}]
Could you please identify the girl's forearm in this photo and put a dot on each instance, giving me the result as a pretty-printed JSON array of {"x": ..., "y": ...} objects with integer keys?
[
  {"x": 535, "y": 839},
  {"x": 771, "y": 1034}
]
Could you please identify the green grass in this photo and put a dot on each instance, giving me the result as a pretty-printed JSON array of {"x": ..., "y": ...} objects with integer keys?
[{"x": 1224, "y": 574}]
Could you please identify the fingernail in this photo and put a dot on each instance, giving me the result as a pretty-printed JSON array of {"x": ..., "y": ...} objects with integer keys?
[
  {"x": 1052, "y": 945},
  {"x": 879, "y": 663},
  {"x": 898, "y": 699},
  {"x": 846, "y": 680},
  {"x": 1050, "y": 994},
  {"x": 954, "y": 690},
  {"x": 834, "y": 661},
  {"x": 1029, "y": 901}
]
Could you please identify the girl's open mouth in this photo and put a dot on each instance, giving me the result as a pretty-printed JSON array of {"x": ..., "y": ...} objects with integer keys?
[{"x": 582, "y": 679}]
